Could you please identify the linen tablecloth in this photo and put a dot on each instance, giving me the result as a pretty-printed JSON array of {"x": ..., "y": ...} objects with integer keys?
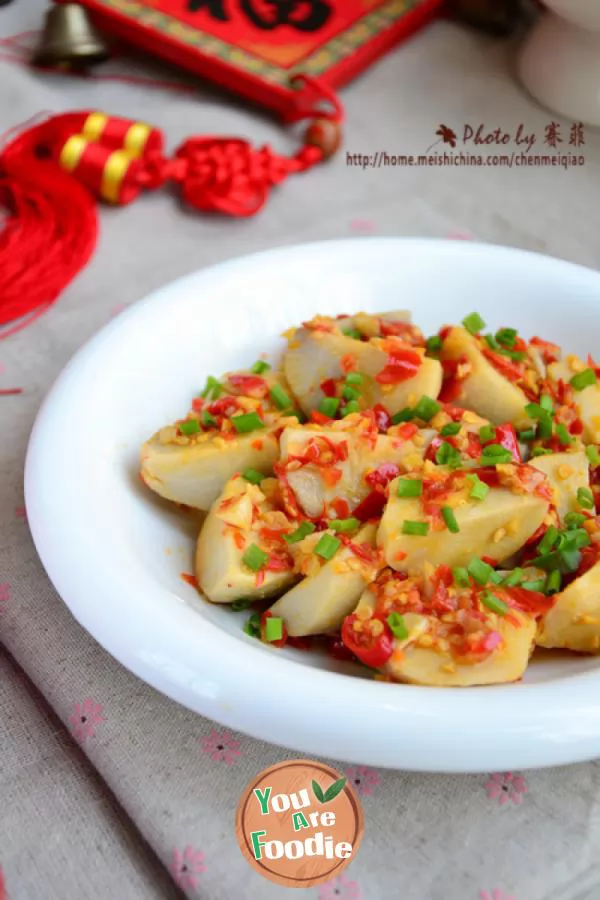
[{"x": 109, "y": 790}]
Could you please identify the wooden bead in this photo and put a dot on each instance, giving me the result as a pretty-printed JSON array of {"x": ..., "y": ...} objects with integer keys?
[{"x": 326, "y": 134}]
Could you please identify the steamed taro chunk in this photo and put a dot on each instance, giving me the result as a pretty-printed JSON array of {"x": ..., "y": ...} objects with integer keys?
[
  {"x": 567, "y": 474},
  {"x": 229, "y": 429},
  {"x": 241, "y": 552},
  {"x": 392, "y": 367},
  {"x": 332, "y": 583},
  {"x": 573, "y": 622},
  {"x": 479, "y": 375},
  {"x": 433, "y": 631},
  {"x": 452, "y": 517},
  {"x": 328, "y": 471},
  {"x": 578, "y": 389}
]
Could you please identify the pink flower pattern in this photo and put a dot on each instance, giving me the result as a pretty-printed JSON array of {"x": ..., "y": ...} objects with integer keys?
[
  {"x": 495, "y": 894},
  {"x": 340, "y": 888},
  {"x": 364, "y": 780},
  {"x": 459, "y": 236},
  {"x": 363, "y": 226},
  {"x": 85, "y": 719},
  {"x": 221, "y": 746},
  {"x": 186, "y": 866},
  {"x": 117, "y": 309},
  {"x": 2, "y": 888},
  {"x": 5, "y": 591},
  {"x": 506, "y": 786},
  {"x": 20, "y": 512}
]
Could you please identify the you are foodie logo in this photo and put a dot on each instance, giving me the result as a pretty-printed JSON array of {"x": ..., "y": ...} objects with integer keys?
[{"x": 299, "y": 823}]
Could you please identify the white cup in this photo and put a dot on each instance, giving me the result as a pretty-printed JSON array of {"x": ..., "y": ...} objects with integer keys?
[{"x": 559, "y": 63}]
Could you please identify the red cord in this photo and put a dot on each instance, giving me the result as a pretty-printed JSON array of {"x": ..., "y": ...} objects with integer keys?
[{"x": 50, "y": 230}]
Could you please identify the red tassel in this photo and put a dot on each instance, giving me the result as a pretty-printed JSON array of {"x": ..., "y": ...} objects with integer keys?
[
  {"x": 51, "y": 175},
  {"x": 50, "y": 232}
]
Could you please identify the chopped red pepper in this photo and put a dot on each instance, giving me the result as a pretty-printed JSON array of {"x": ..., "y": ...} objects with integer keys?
[
  {"x": 382, "y": 475},
  {"x": 549, "y": 352},
  {"x": 371, "y": 507},
  {"x": 406, "y": 431},
  {"x": 382, "y": 417},
  {"x": 455, "y": 412},
  {"x": 533, "y": 602},
  {"x": 403, "y": 330},
  {"x": 452, "y": 381},
  {"x": 197, "y": 404},
  {"x": 279, "y": 562},
  {"x": 403, "y": 364},
  {"x": 372, "y": 650},
  {"x": 507, "y": 367},
  {"x": 441, "y": 580},
  {"x": 224, "y": 406},
  {"x": 488, "y": 475},
  {"x": 250, "y": 385},
  {"x": 300, "y": 643},
  {"x": 363, "y": 551},
  {"x": 338, "y": 649},
  {"x": 271, "y": 534},
  {"x": 189, "y": 579},
  {"x": 349, "y": 363},
  {"x": 589, "y": 558},
  {"x": 576, "y": 426},
  {"x": 340, "y": 449},
  {"x": 341, "y": 507},
  {"x": 506, "y": 436},
  {"x": 328, "y": 387},
  {"x": 490, "y": 561},
  {"x": 319, "y": 418},
  {"x": 593, "y": 365},
  {"x": 331, "y": 476}
]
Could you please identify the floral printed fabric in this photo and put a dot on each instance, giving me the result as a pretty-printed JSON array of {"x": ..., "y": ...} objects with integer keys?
[{"x": 176, "y": 776}]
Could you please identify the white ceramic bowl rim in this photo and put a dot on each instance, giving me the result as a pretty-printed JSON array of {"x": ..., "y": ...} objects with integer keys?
[{"x": 233, "y": 680}]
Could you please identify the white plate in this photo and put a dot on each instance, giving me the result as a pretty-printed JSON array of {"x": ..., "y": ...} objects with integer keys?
[{"x": 115, "y": 553}]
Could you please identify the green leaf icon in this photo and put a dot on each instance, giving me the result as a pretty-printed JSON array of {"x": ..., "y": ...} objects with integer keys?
[
  {"x": 318, "y": 792},
  {"x": 334, "y": 789}
]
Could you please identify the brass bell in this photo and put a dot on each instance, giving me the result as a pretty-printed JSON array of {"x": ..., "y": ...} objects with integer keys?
[{"x": 68, "y": 39}]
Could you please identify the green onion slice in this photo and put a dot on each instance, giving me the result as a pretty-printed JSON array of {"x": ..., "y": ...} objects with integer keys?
[
  {"x": 473, "y": 323},
  {"x": 583, "y": 379},
  {"x": 450, "y": 429},
  {"x": 585, "y": 498},
  {"x": 493, "y": 603},
  {"x": 327, "y": 546},
  {"x": 247, "y": 422},
  {"x": 189, "y": 426},
  {"x": 426, "y": 408},
  {"x": 450, "y": 519},
  {"x": 260, "y": 366},
  {"x": 329, "y": 406},
  {"x": 273, "y": 628},
  {"x": 344, "y": 525},
  {"x": 479, "y": 571},
  {"x": 302, "y": 531},
  {"x": 279, "y": 397},
  {"x": 415, "y": 528},
  {"x": 397, "y": 626},
  {"x": 255, "y": 558},
  {"x": 410, "y": 487},
  {"x": 405, "y": 415},
  {"x": 479, "y": 489}
]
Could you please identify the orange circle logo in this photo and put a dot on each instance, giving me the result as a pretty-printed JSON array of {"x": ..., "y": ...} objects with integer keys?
[{"x": 299, "y": 823}]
